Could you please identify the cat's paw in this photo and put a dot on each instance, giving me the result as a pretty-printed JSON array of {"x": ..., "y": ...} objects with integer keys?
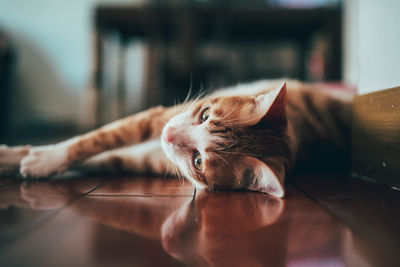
[
  {"x": 10, "y": 158},
  {"x": 44, "y": 161}
]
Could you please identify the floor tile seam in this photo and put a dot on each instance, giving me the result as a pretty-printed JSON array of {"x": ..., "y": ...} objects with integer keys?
[
  {"x": 137, "y": 195},
  {"x": 47, "y": 217},
  {"x": 326, "y": 207},
  {"x": 91, "y": 190}
]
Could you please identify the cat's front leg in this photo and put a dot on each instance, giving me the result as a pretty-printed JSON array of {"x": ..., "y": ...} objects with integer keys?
[
  {"x": 46, "y": 160},
  {"x": 147, "y": 157}
]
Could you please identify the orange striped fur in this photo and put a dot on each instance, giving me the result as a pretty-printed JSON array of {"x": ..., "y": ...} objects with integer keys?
[{"x": 253, "y": 135}]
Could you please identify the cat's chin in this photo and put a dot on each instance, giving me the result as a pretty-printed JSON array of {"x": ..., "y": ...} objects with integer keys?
[
  {"x": 168, "y": 150},
  {"x": 196, "y": 185}
]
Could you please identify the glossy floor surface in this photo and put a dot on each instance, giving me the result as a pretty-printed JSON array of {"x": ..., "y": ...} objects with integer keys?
[{"x": 150, "y": 221}]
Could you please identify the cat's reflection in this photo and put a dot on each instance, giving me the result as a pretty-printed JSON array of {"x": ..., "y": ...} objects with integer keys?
[
  {"x": 208, "y": 228},
  {"x": 221, "y": 229}
]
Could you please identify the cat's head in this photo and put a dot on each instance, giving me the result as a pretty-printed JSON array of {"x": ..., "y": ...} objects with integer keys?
[{"x": 230, "y": 143}]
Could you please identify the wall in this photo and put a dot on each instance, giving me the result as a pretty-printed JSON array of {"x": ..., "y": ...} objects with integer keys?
[
  {"x": 350, "y": 42},
  {"x": 372, "y": 44},
  {"x": 53, "y": 43}
]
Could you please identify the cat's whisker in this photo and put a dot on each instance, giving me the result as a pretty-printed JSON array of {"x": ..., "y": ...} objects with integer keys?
[
  {"x": 234, "y": 120},
  {"x": 174, "y": 171},
  {"x": 187, "y": 105},
  {"x": 226, "y": 147},
  {"x": 226, "y": 115},
  {"x": 244, "y": 154},
  {"x": 187, "y": 98},
  {"x": 177, "y": 173},
  {"x": 168, "y": 168},
  {"x": 220, "y": 157},
  {"x": 240, "y": 121}
]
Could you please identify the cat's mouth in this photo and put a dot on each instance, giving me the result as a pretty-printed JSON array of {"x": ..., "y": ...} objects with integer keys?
[{"x": 168, "y": 149}]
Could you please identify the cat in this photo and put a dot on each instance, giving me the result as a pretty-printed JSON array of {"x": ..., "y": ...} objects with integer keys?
[{"x": 249, "y": 136}]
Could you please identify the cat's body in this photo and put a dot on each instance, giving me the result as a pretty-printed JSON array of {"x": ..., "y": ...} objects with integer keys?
[{"x": 248, "y": 136}]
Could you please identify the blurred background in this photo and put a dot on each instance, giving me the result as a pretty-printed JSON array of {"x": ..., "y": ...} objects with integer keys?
[{"x": 69, "y": 66}]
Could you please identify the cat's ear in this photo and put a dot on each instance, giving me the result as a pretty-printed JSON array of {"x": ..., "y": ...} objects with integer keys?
[
  {"x": 271, "y": 106},
  {"x": 260, "y": 177}
]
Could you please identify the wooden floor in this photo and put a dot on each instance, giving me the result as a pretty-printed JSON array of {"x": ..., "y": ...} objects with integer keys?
[{"x": 324, "y": 220}]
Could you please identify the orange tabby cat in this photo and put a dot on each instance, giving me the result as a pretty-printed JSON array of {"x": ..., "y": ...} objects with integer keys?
[{"x": 244, "y": 137}]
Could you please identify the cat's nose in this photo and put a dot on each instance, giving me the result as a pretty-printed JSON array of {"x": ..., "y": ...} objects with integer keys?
[{"x": 169, "y": 135}]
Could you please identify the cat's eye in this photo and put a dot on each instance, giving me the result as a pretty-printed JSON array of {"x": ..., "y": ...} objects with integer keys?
[
  {"x": 205, "y": 115},
  {"x": 197, "y": 161}
]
